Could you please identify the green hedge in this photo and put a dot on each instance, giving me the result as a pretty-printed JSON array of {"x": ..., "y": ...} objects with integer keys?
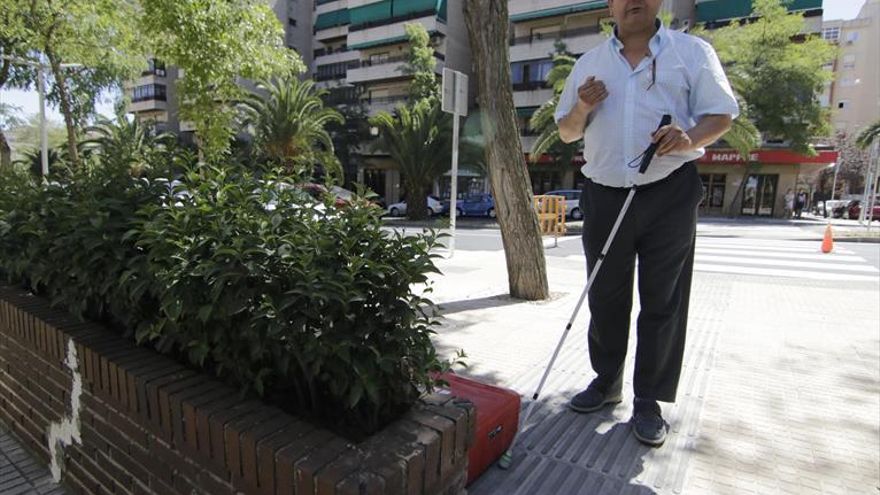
[{"x": 304, "y": 303}]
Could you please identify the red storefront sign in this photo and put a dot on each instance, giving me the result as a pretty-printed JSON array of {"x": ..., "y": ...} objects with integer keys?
[{"x": 781, "y": 157}]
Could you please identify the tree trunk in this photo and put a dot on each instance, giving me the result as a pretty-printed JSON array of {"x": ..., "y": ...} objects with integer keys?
[
  {"x": 487, "y": 24},
  {"x": 5, "y": 152},
  {"x": 66, "y": 110},
  {"x": 417, "y": 201}
]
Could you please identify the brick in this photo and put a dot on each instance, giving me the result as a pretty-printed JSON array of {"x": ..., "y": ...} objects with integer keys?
[
  {"x": 175, "y": 429},
  {"x": 213, "y": 419},
  {"x": 268, "y": 447},
  {"x": 251, "y": 438},
  {"x": 109, "y": 374},
  {"x": 445, "y": 428},
  {"x": 122, "y": 457},
  {"x": 122, "y": 367},
  {"x": 140, "y": 373},
  {"x": 130, "y": 428},
  {"x": 286, "y": 458},
  {"x": 306, "y": 468},
  {"x": 234, "y": 433},
  {"x": 152, "y": 396},
  {"x": 189, "y": 408},
  {"x": 333, "y": 473},
  {"x": 363, "y": 484},
  {"x": 211, "y": 484}
]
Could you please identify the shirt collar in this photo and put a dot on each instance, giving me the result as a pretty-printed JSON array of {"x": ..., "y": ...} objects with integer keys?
[{"x": 658, "y": 41}]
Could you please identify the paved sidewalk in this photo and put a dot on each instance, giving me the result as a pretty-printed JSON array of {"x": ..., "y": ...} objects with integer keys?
[
  {"x": 21, "y": 474},
  {"x": 780, "y": 390}
]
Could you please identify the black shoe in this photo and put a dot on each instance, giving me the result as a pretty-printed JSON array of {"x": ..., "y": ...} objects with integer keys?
[
  {"x": 648, "y": 425},
  {"x": 592, "y": 399}
]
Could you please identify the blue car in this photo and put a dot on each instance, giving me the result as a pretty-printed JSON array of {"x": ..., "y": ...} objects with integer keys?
[{"x": 477, "y": 205}]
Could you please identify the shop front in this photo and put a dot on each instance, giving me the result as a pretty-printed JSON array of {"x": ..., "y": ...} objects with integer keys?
[{"x": 757, "y": 187}]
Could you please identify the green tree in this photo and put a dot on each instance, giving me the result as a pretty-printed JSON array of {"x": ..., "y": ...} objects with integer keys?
[
  {"x": 102, "y": 36},
  {"x": 778, "y": 72},
  {"x": 420, "y": 64},
  {"x": 348, "y": 136},
  {"x": 543, "y": 122},
  {"x": 419, "y": 139},
  {"x": 868, "y": 136},
  {"x": 216, "y": 42},
  {"x": 128, "y": 142},
  {"x": 289, "y": 122}
]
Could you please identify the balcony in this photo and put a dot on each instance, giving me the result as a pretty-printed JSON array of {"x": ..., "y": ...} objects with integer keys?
[
  {"x": 578, "y": 40},
  {"x": 387, "y": 12},
  {"x": 719, "y": 12},
  {"x": 528, "y": 10},
  {"x": 339, "y": 56},
  {"x": 388, "y": 68},
  {"x": 385, "y": 104},
  {"x": 532, "y": 98},
  {"x": 391, "y": 33}
]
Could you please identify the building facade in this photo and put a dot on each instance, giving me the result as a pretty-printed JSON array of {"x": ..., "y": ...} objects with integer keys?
[
  {"x": 360, "y": 48},
  {"x": 854, "y": 95}
]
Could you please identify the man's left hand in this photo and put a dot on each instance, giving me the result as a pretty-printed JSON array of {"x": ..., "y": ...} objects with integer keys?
[{"x": 672, "y": 139}]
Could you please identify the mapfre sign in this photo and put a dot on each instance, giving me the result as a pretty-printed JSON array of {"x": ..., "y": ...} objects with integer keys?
[{"x": 769, "y": 157}]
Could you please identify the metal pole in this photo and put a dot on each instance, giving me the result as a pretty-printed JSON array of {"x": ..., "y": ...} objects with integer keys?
[
  {"x": 44, "y": 137},
  {"x": 834, "y": 183},
  {"x": 869, "y": 185},
  {"x": 869, "y": 205},
  {"x": 454, "y": 184}
]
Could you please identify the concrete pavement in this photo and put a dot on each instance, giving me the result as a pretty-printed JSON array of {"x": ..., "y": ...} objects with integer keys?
[{"x": 780, "y": 390}]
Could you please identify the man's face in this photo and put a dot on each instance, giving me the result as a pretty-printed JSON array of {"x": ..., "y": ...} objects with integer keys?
[{"x": 634, "y": 15}]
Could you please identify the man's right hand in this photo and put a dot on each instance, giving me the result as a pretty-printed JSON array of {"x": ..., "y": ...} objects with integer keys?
[{"x": 591, "y": 93}]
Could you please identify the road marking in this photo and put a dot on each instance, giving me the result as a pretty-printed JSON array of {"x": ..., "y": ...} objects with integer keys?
[
  {"x": 787, "y": 263},
  {"x": 771, "y": 272}
]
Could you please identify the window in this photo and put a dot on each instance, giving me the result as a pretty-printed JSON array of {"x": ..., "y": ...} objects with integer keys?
[
  {"x": 831, "y": 33},
  {"x": 842, "y": 104},
  {"x": 292, "y": 22},
  {"x": 155, "y": 67},
  {"x": 852, "y": 37},
  {"x": 713, "y": 190},
  {"x": 846, "y": 82},
  {"x": 849, "y": 61},
  {"x": 530, "y": 74},
  {"x": 378, "y": 58}
]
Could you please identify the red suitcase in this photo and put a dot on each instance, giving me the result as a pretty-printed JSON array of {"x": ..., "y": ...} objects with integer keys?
[{"x": 497, "y": 420}]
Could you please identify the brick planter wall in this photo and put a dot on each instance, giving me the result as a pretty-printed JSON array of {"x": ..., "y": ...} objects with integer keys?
[{"x": 149, "y": 425}]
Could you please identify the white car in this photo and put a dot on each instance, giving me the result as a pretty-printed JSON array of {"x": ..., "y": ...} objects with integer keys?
[
  {"x": 572, "y": 202},
  {"x": 399, "y": 209}
]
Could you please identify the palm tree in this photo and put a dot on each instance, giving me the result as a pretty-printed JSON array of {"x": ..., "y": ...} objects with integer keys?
[
  {"x": 128, "y": 143},
  {"x": 419, "y": 139},
  {"x": 869, "y": 135},
  {"x": 542, "y": 121},
  {"x": 289, "y": 122},
  {"x": 32, "y": 161}
]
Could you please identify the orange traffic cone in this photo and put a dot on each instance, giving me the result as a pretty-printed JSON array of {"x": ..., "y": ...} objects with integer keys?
[{"x": 827, "y": 241}]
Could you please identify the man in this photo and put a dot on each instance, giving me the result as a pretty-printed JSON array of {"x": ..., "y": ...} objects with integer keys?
[{"x": 614, "y": 99}]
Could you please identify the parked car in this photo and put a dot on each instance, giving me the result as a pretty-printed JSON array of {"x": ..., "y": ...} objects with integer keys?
[
  {"x": 435, "y": 207},
  {"x": 572, "y": 202},
  {"x": 478, "y": 205},
  {"x": 854, "y": 209}
]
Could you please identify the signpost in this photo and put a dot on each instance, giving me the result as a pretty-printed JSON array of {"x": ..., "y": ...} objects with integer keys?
[{"x": 455, "y": 96}]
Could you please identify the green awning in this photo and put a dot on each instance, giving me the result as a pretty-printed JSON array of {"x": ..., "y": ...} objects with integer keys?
[
  {"x": 384, "y": 41},
  {"x": 410, "y": 6},
  {"x": 570, "y": 9},
  {"x": 373, "y": 12},
  {"x": 332, "y": 19},
  {"x": 526, "y": 111},
  {"x": 722, "y": 10}
]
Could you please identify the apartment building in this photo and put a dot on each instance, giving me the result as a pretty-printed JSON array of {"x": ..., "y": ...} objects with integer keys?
[
  {"x": 854, "y": 95},
  {"x": 360, "y": 48},
  {"x": 153, "y": 96}
]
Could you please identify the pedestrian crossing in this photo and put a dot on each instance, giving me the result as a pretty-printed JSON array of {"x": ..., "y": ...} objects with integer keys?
[{"x": 781, "y": 258}]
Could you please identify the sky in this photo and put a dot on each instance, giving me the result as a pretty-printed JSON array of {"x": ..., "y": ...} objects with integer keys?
[{"x": 29, "y": 102}]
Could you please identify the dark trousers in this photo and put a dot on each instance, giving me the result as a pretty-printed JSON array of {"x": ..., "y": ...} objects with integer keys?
[{"x": 659, "y": 229}]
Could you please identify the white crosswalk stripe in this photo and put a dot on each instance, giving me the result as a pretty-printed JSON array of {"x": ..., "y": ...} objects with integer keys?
[{"x": 781, "y": 258}]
